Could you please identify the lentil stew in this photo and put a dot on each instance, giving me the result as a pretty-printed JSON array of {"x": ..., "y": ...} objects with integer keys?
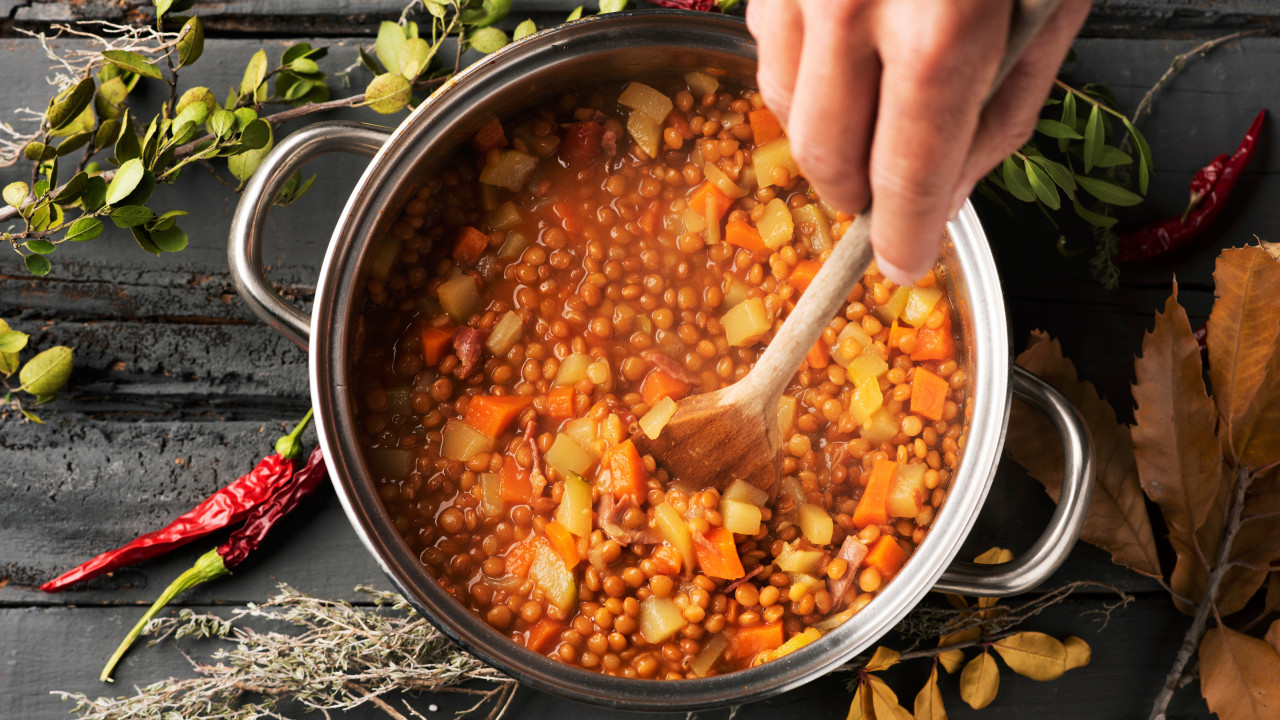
[{"x": 558, "y": 286}]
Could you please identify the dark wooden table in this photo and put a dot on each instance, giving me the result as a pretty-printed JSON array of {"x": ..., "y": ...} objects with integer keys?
[{"x": 178, "y": 389}]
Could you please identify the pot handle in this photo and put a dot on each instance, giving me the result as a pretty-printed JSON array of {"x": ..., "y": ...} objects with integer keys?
[
  {"x": 244, "y": 251},
  {"x": 1036, "y": 565}
]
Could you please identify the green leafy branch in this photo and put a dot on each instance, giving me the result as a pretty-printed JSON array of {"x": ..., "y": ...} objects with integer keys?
[{"x": 41, "y": 377}]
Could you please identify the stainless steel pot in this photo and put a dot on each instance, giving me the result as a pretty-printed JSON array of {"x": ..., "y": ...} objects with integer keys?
[{"x": 617, "y": 47}]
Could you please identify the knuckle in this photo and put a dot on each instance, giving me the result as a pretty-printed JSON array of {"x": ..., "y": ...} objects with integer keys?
[{"x": 907, "y": 183}]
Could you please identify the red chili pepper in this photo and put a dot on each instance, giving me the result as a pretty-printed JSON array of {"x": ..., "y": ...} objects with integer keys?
[
  {"x": 224, "y": 508},
  {"x": 222, "y": 559},
  {"x": 1209, "y": 192}
]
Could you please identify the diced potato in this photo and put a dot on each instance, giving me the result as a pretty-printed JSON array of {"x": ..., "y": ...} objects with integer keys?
[
  {"x": 775, "y": 225},
  {"x": 549, "y": 573},
  {"x": 920, "y": 303},
  {"x": 746, "y": 323},
  {"x": 729, "y": 119},
  {"x": 542, "y": 146},
  {"x": 489, "y": 493},
  {"x": 736, "y": 293},
  {"x": 793, "y": 559},
  {"x": 855, "y": 331},
  {"x": 489, "y": 199},
  {"x": 657, "y": 418},
  {"x": 792, "y": 488},
  {"x": 660, "y": 618},
  {"x": 773, "y": 154},
  {"x": 880, "y": 427},
  {"x": 391, "y": 462},
  {"x": 674, "y": 530},
  {"x": 574, "y": 511},
  {"x": 890, "y": 311},
  {"x": 382, "y": 257},
  {"x": 573, "y": 370},
  {"x": 866, "y": 401},
  {"x": 611, "y": 430},
  {"x": 708, "y": 655},
  {"x": 398, "y": 401},
  {"x": 510, "y": 171},
  {"x": 907, "y": 493},
  {"x": 567, "y": 456},
  {"x": 647, "y": 100},
  {"x": 835, "y": 621},
  {"x": 506, "y": 333},
  {"x": 722, "y": 181},
  {"x": 460, "y": 298},
  {"x": 599, "y": 374},
  {"x": 503, "y": 216},
  {"x": 796, "y": 642},
  {"x": 702, "y": 83},
  {"x": 815, "y": 524},
  {"x": 786, "y": 413},
  {"x": 583, "y": 431},
  {"x": 694, "y": 221},
  {"x": 744, "y": 491},
  {"x": 821, "y": 240},
  {"x": 740, "y": 517},
  {"x": 647, "y": 133},
  {"x": 513, "y": 246},
  {"x": 461, "y": 441},
  {"x": 867, "y": 365}
]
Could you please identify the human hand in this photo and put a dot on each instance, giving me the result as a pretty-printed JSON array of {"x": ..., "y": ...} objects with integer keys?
[{"x": 885, "y": 99}]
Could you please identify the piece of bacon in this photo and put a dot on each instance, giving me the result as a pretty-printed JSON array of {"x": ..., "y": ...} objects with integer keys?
[
  {"x": 536, "y": 477},
  {"x": 852, "y": 551},
  {"x": 609, "y": 143},
  {"x": 610, "y": 512},
  {"x": 617, "y": 407},
  {"x": 734, "y": 585},
  {"x": 672, "y": 367},
  {"x": 467, "y": 345}
]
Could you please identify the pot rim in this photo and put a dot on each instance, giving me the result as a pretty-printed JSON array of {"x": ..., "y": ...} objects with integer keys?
[{"x": 976, "y": 289}]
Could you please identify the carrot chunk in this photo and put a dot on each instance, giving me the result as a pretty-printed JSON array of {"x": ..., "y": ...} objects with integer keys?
[
  {"x": 803, "y": 274},
  {"x": 718, "y": 554},
  {"x": 756, "y": 639},
  {"x": 873, "y": 508},
  {"x": 936, "y": 344},
  {"x": 658, "y": 384},
  {"x": 666, "y": 560},
  {"x": 897, "y": 333},
  {"x": 928, "y": 394},
  {"x": 764, "y": 125},
  {"x": 560, "y": 403},
  {"x": 435, "y": 343},
  {"x": 743, "y": 235},
  {"x": 543, "y": 634},
  {"x": 469, "y": 245},
  {"x": 515, "y": 486},
  {"x": 886, "y": 555},
  {"x": 706, "y": 193},
  {"x": 494, "y": 414},
  {"x": 489, "y": 137},
  {"x": 817, "y": 356},
  {"x": 563, "y": 543},
  {"x": 627, "y": 475}
]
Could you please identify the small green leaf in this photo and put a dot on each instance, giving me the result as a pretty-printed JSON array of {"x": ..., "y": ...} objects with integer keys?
[
  {"x": 41, "y": 188},
  {"x": 437, "y": 8},
  {"x": 39, "y": 245},
  {"x": 298, "y": 89},
  {"x": 1144, "y": 156},
  {"x": 1015, "y": 181},
  {"x": 125, "y": 180},
  {"x": 577, "y": 13},
  {"x": 1043, "y": 186},
  {"x": 222, "y": 123},
  {"x": 133, "y": 62},
  {"x": 196, "y": 113},
  {"x": 38, "y": 152},
  {"x": 304, "y": 65},
  {"x": 190, "y": 42},
  {"x": 254, "y": 73},
  {"x": 244, "y": 116},
  {"x": 370, "y": 63},
  {"x": 390, "y": 37},
  {"x": 143, "y": 238},
  {"x": 107, "y": 133},
  {"x": 62, "y": 112},
  {"x": 256, "y": 134},
  {"x": 413, "y": 57},
  {"x": 1110, "y": 157},
  {"x": 166, "y": 221},
  {"x": 162, "y": 7},
  {"x": 387, "y": 93},
  {"x": 47, "y": 372},
  {"x": 1093, "y": 218},
  {"x": 31, "y": 416},
  {"x": 1058, "y": 172},
  {"x": 1108, "y": 192},
  {"x": 1055, "y": 129},
  {"x": 487, "y": 40},
  {"x": 15, "y": 194},
  {"x": 170, "y": 240},
  {"x": 11, "y": 341},
  {"x": 127, "y": 145},
  {"x": 1069, "y": 110},
  {"x": 524, "y": 30},
  {"x": 294, "y": 52},
  {"x": 73, "y": 143},
  {"x": 94, "y": 195},
  {"x": 110, "y": 97},
  {"x": 129, "y": 216},
  {"x": 243, "y": 165},
  {"x": 196, "y": 96},
  {"x": 488, "y": 13},
  {"x": 8, "y": 360},
  {"x": 1094, "y": 138},
  {"x": 608, "y": 6},
  {"x": 37, "y": 264},
  {"x": 86, "y": 228}
]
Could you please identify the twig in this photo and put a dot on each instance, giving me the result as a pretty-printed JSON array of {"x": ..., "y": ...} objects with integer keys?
[
  {"x": 377, "y": 701},
  {"x": 1191, "y": 640},
  {"x": 1144, "y": 105}
]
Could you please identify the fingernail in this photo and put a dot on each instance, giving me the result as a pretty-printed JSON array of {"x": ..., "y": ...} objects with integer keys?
[{"x": 898, "y": 275}]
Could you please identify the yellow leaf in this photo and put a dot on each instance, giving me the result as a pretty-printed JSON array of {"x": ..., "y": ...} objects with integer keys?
[
  {"x": 960, "y": 636},
  {"x": 1034, "y": 655},
  {"x": 956, "y": 601},
  {"x": 994, "y": 556},
  {"x": 1078, "y": 652},
  {"x": 1117, "y": 521},
  {"x": 1239, "y": 675},
  {"x": 950, "y": 660},
  {"x": 979, "y": 681},
  {"x": 884, "y": 702},
  {"x": 860, "y": 708},
  {"x": 1273, "y": 635},
  {"x": 1244, "y": 353},
  {"x": 929, "y": 701},
  {"x": 882, "y": 659}
]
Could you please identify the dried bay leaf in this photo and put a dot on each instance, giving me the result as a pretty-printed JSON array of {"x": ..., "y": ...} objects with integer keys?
[
  {"x": 980, "y": 681},
  {"x": 1239, "y": 675},
  {"x": 1257, "y": 544},
  {"x": 1244, "y": 353},
  {"x": 1034, "y": 655},
  {"x": 929, "y": 700},
  {"x": 860, "y": 708},
  {"x": 1079, "y": 653},
  {"x": 882, "y": 659},
  {"x": 884, "y": 702},
  {"x": 1117, "y": 521},
  {"x": 994, "y": 556},
  {"x": 950, "y": 660}
]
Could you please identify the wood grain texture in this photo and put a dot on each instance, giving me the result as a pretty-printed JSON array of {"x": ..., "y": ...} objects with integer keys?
[{"x": 171, "y": 366}]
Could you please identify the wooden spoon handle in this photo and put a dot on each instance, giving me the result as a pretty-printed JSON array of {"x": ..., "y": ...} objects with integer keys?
[{"x": 819, "y": 303}]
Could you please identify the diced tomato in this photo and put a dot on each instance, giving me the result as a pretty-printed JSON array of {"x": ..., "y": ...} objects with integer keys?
[
  {"x": 744, "y": 235},
  {"x": 560, "y": 403},
  {"x": 764, "y": 125},
  {"x": 928, "y": 394},
  {"x": 435, "y": 343},
  {"x": 659, "y": 384},
  {"x": 873, "y": 508},
  {"x": 494, "y": 414},
  {"x": 718, "y": 554},
  {"x": 515, "y": 486},
  {"x": 581, "y": 143},
  {"x": 469, "y": 245},
  {"x": 489, "y": 137}
]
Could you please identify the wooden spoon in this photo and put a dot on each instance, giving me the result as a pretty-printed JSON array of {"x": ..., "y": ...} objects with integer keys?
[{"x": 732, "y": 433}]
